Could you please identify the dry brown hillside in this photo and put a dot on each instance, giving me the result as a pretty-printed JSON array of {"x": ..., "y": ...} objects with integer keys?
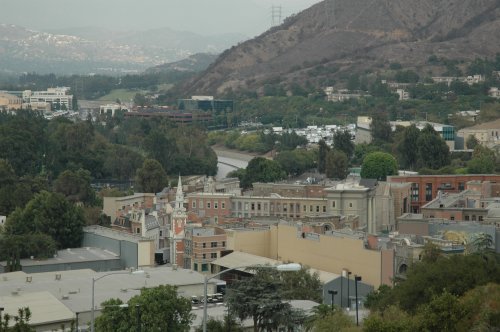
[{"x": 357, "y": 34}]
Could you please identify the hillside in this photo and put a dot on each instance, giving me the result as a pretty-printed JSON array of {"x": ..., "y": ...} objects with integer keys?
[
  {"x": 354, "y": 35},
  {"x": 86, "y": 50},
  {"x": 194, "y": 63}
]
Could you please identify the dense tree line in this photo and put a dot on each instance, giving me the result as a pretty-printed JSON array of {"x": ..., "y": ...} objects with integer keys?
[{"x": 441, "y": 293}]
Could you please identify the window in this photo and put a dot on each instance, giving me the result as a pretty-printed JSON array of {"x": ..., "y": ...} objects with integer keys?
[
  {"x": 452, "y": 218},
  {"x": 194, "y": 205},
  {"x": 305, "y": 208},
  {"x": 195, "y": 267},
  {"x": 428, "y": 192},
  {"x": 258, "y": 207},
  {"x": 216, "y": 205},
  {"x": 204, "y": 256},
  {"x": 461, "y": 186},
  {"x": 324, "y": 208},
  {"x": 414, "y": 192},
  {"x": 223, "y": 205},
  {"x": 334, "y": 203},
  {"x": 310, "y": 208},
  {"x": 473, "y": 217},
  {"x": 480, "y": 218},
  {"x": 467, "y": 218},
  {"x": 204, "y": 245},
  {"x": 350, "y": 204},
  {"x": 138, "y": 230},
  {"x": 204, "y": 267},
  {"x": 223, "y": 243},
  {"x": 317, "y": 208},
  {"x": 208, "y": 205},
  {"x": 213, "y": 244}
]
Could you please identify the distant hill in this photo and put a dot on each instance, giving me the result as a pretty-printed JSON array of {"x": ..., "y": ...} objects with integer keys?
[
  {"x": 333, "y": 38},
  {"x": 194, "y": 63},
  {"x": 86, "y": 50}
]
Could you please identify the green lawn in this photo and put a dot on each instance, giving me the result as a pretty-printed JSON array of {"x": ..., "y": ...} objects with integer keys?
[{"x": 124, "y": 95}]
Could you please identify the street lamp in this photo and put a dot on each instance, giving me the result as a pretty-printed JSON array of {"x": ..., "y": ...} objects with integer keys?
[
  {"x": 92, "y": 322},
  {"x": 332, "y": 293},
  {"x": 282, "y": 267},
  {"x": 348, "y": 295},
  {"x": 356, "y": 280}
]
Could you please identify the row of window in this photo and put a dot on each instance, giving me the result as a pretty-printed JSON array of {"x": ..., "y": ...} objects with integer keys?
[
  {"x": 212, "y": 244},
  {"x": 209, "y": 205},
  {"x": 415, "y": 195},
  {"x": 204, "y": 256}
]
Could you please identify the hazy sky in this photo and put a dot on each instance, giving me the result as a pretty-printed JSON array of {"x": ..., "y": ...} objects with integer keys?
[{"x": 249, "y": 17}]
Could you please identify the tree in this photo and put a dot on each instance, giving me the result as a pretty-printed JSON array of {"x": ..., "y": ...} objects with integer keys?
[
  {"x": 331, "y": 321},
  {"x": 21, "y": 321},
  {"x": 432, "y": 149},
  {"x": 160, "y": 148},
  {"x": 161, "y": 309},
  {"x": 342, "y": 141},
  {"x": 337, "y": 165},
  {"x": 295, "y": 162},
  {"x": 483, "y": 161},
  {"x": 323, "y": 151},
  {"x": 301, "y": 285},
  {"x": 260, "y": 298},
  {"x": 228, "y": 324},
  {"x": 75, "y": 186},
  {"x": 51, "y": 214},
  {"x": 408, "y": 148},
  {"x": 262, "y": 170},
  {"x": 471, "y": 142},
  {"x": 381, "y": 129},
  {"x": 480, "y": 308},
  {"x": 151, "y": 177},
  {"x": 378, "y": 165}
]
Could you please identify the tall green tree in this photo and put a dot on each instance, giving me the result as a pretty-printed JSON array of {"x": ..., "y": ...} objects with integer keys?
[
  {"x": 408, "y": 147},
  {"x": 342, "y": 141},
  {"x": 337, "y": 165},
  {"x": 151, "y": 177},
  {"x": 75, "y": 186},
  {"x": 161, "y": 309},
  {"x": 323, "y": 151},
  {"x": 262, "y": 170},
  {"x": 378, "y": 165},
  {"x": 260, "y": 298},
  {"x": 483, "y": 161},
  {"x": 381, "y": 129},
  {"x": 432, "y": 149},
  {"x": 301, "y": 285},
  {"x": 51, "y": 214}
]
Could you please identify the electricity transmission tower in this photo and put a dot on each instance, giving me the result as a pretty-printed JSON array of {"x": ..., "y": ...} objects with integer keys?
[{"x": 275, "y": 15}]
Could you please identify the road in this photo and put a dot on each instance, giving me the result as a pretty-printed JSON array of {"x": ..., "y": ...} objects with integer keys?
[{"x": 229, "y": 160}]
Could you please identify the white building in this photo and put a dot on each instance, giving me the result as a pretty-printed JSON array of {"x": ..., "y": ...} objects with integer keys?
[
  {"x": 494, "y": 92},
  {"x": 111, "y": 109},
  {"x": 403, "y": 94},
  {"x": 54, "y": 96}
]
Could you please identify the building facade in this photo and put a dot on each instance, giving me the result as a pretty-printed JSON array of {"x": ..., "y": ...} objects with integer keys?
[{"x": 425, "y": 188}]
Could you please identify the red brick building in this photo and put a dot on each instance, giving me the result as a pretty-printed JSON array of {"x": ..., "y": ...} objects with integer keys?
[{"x": 424, "y": 188}]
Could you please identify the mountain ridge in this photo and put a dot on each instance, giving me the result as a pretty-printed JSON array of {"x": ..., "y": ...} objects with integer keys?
[{"x": 357, "y": 34}]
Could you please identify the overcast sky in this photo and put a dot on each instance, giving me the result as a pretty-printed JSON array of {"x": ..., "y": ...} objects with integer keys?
[{"x": 249, "y": 17}]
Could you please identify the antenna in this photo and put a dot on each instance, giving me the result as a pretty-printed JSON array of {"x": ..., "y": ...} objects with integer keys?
[{"x": 275, "y": 15}]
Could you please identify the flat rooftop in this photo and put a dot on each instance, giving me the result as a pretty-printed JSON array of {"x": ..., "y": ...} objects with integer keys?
[
  {"x": 74, "y": 288},
  {"x": 114, "y": 234},
  {"x": 72, "y": 256}
]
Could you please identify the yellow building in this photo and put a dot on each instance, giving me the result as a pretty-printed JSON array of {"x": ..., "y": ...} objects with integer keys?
[
  {"x": 332, "y": 252},
  {"x": 10, "y": 102}
]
